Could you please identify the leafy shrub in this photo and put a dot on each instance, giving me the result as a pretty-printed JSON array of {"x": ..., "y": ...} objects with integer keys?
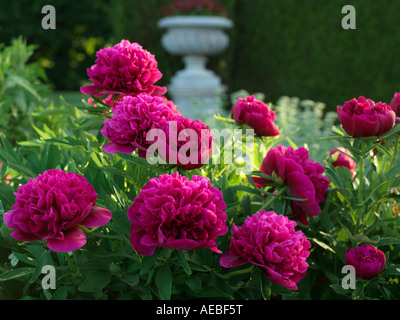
[{"x": 357, "y": 210}]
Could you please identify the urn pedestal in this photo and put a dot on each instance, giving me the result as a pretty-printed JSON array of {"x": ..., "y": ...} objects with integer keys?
[{"x": 196, "y": 90}]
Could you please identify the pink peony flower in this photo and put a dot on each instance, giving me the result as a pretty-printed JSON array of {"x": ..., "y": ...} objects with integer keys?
[
  {"x": 188, "y": 143},
  {"x": 174, "y": 212},
  {"x": 126, "y": 69},
  {"x": 179, "y": 7},
  {"x": 365, "y": 118},
  {"x": 132, "y": 118},
  {"x": 395, "y": 104},
  {"x": 270, "y": 241},
  {"x": 340, "y": 158},
  {"x": 255, "y": 114},
  {"x": 367, "y": 260},
  {"x": 301, "y": 175},
  {"x": 52, "y": 206}
]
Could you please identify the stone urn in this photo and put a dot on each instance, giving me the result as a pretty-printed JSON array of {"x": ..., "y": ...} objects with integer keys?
[{"x": 196, "y": 91}]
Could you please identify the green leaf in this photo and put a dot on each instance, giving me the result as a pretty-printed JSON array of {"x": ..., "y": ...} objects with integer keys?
[
  {"x": 17, "y": 273},
  {"x": 183, "y": 261},
  {"x": 322, "y": 244},
  {"x": 95, "y": 281},
  {"x": 42, "y": 261},
  {"x": 148, "y": 262},
  {"x": 60, "y": 294},
  {"x": 131, "y": 279},
  {"x": 164, "y": 282},
  {"x": 265, "y": 286},
  {"x": 388, "y": 240}
]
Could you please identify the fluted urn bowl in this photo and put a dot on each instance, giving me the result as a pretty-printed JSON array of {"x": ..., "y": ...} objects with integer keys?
[
  {"x": 195, "y": 35},
  {"x": 195, "y": 89}
]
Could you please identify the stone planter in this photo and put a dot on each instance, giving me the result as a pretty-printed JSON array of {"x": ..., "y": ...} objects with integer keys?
[{"x": 195, "y": 89}]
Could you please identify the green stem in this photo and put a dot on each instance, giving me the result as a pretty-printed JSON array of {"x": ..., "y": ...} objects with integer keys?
[
  {"x": 266, "y": 204},
  {"x": 239, "y": 272},
  {"x": 361, "y": 168},
  {"x": 396, "y": 151},
  {"x": 71, "y": 265}
]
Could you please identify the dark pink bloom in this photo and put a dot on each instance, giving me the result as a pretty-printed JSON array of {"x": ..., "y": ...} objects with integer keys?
[
  {"x": 367, "y": 261},
  {"x": 188, "y": 143},
  {"x": 365, "y": 118},
  {"x": 174, "y": 212},
  {"x": 193, "y": 7},
  {"x": 270, "y": 241},
  {"x": 302, "y": 176},
  {"x": 132, "y": 118},
  {"x": 52, "y": 206},
  {"x": 395, "y": 104},
  {"x": 340, "y": 158},
  {"x": 126, "y": 69},
  {"x": 254, "y": 113}
]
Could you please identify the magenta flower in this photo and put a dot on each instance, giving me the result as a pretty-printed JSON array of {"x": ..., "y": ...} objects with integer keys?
[
  {"x": 132, "y": 118},
  {"x": 340, "y": 158},
  {"x": 367, "y": 261},
  {"x": 269, "y": 240},
  {"x": 179, "y": 7},
  {"x": 301, "y": 175},
  {"x": 254, "y": 113},
  {"x": 52, "y": 206},
  {"x": 365, "y": 118},
  {"x": 188, "y": 143},
  {"x": 174, "y": 212},
  {"x": 395, "y": 104},
  {"x": 124, "y": 69}
]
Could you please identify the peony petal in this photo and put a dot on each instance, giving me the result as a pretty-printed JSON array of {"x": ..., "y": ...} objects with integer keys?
[
  {"x": 22, "y": 236},
  {"x": 91, "y": 89},
  {"x": 229, "y": 260},
  {"x": 97, "y": 217},
  {"x": 279, "y": 279},
  {"x": 74, "y": 239},
  {"x": 136, "y": 241},
  {"x": 112, "y": 148}
]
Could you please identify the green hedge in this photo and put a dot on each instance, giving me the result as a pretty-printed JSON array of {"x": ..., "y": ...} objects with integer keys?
[
  {"x": 299, "y": 49},
  {"x": 284, "y": 47}
]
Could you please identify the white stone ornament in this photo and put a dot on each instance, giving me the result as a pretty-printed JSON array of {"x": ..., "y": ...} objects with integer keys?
[{"x": 195, "y": 90}]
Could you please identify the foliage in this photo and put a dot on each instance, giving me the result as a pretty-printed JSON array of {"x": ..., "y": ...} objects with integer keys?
[
  {"x": 108, "y": 268},
  {"x": 360, "y": 209},
  {"x": 277, "y": 47},
  {"x": 22, "y": 88},
  {"x": 67, "y": 51}
]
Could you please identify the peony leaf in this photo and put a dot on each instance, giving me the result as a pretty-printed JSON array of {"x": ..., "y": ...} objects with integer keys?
[
  {"x": 164, "y": 282},
  {"x": 95, "y": 281},
  {"x": 183, "y": 261},
  {"x": 12, "y": 274}
]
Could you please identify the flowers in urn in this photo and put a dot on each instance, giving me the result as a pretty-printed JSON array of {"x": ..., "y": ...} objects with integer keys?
[{"x": 194, "y": 7}]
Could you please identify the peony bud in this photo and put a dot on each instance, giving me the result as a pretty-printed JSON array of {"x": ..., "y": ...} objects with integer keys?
[
  {"x": 364, "y": 118},
  {"x": 255, "y": 114},
  {"x": 367, "y": 260}
]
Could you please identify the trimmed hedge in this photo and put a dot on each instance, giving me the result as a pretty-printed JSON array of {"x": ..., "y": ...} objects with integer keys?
[{"x": 279, "y": 48}]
